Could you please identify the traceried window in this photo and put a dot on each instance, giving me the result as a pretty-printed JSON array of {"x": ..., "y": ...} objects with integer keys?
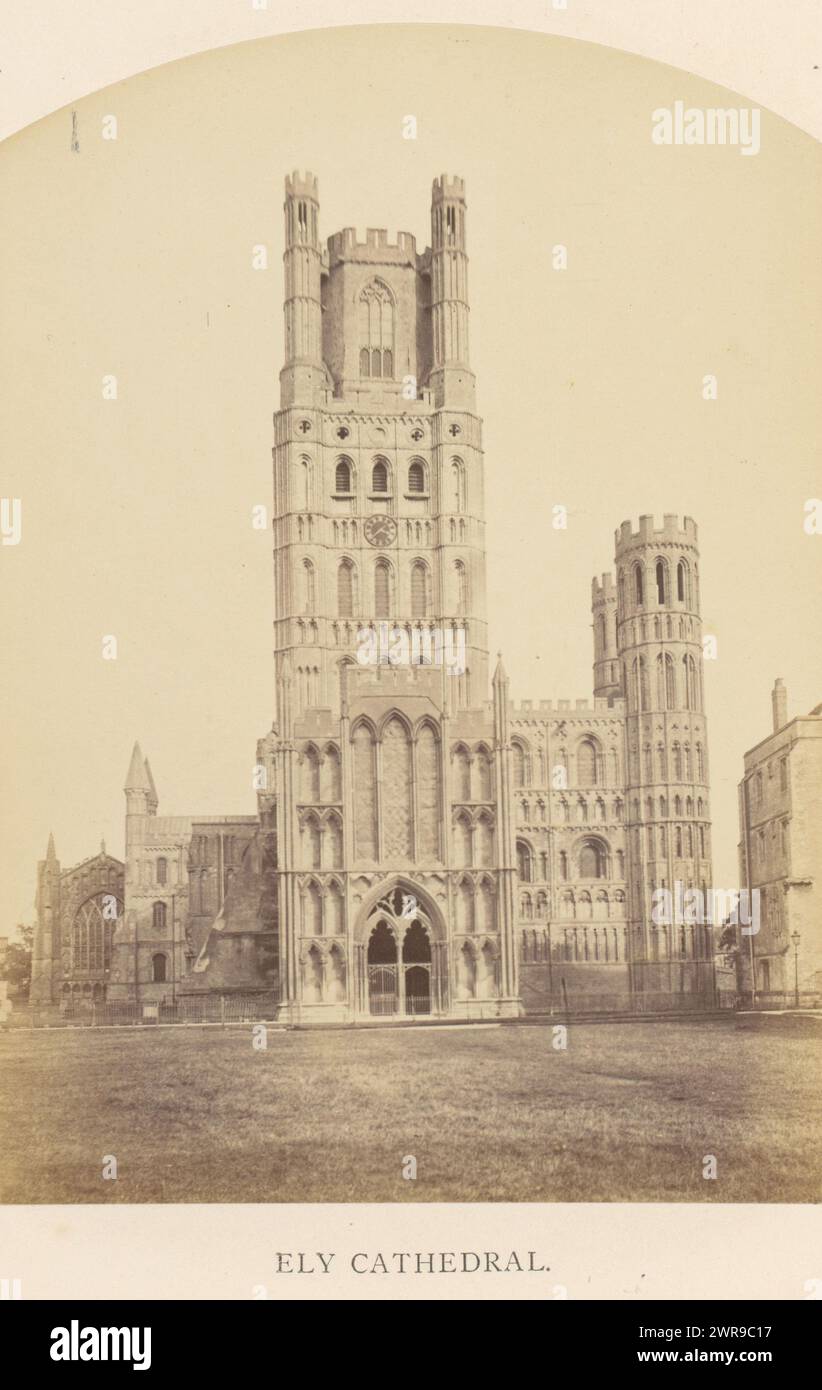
[
  {"x": 91, "y": 934},
  {"x": 376, "y": 324}
]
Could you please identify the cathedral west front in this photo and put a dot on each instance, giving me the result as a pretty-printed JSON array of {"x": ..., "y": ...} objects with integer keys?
[{"x": 422, "y": 846}]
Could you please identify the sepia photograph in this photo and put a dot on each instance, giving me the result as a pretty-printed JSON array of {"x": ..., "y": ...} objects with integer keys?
[{"x": 411, "y": 543}]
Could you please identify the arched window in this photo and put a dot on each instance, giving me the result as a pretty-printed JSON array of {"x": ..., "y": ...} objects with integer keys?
[
  {"x": 158, "y": 917},
  {"x": 460, "y": 586},
  {"x": 162, "y": 872},
  {"x": 639, "y": 587},
  {"x": 309, "y": 590},
  {"x": 376, "y": 322},
  {"x": 524, "y": 870},
  {"x": 641, "y": 693},
  {"x": 342, "y": 476},
  {"x": 587, "y": 764},
  {"x": 416, "y": 477},
  {"x": 692, "y": 700},
  {"x": 158, "y": 968},
  {"x": 419, "y": 590},
  {"x": 345, "y": 589},
  {"x": 457, "y": 486},
  {"x": 91, "y": 935},
  {"x": 682, "y": 582},
  {"x": 666, "y": 681},
  {"x": 520, "y": 765},
  {"x": 382, "y": 589},
  {"x": 304, "y": 484},
  {"x": 592, "y": 860},
  {"x": 379, "y": 477}
]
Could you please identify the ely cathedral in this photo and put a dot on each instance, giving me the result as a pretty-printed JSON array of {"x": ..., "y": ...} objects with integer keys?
[{"x": 422, "y": 845}]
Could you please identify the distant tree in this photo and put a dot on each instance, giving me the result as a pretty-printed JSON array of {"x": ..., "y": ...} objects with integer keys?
[{"x": 16, "y": 969}]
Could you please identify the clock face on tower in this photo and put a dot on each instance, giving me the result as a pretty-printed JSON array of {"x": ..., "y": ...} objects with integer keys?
[{"x": 380, "y": 530}]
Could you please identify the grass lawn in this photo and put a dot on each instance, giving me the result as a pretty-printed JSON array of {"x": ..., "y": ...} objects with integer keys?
[{"x": 490, "y": 1114}]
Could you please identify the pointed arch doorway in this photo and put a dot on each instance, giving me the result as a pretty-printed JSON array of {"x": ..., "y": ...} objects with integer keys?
[{"x": 402, "y": 958}]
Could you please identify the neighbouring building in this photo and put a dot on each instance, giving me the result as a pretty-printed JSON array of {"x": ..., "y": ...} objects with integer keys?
[
  {"x": 421, "y": 844},
  {"x": 780, "y": 856}
]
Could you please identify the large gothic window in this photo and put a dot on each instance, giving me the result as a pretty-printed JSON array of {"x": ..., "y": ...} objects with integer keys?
[
  {"x": 376, "y": 324},
  {"x": 91, "y": 933}
]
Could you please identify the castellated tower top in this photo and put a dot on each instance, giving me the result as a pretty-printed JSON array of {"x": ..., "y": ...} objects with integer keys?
[
  {"x": 447, "y": 186},
  {"x": 648, "y": 534},
  {"x": 604, "y": 591},
  {"x": 298, "y": 185}
]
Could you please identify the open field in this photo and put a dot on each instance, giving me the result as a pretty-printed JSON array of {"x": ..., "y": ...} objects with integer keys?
[{"x": 490, "y": 1114}]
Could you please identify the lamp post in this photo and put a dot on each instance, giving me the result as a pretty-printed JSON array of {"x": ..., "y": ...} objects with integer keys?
[{"x": 795, "y": 938}]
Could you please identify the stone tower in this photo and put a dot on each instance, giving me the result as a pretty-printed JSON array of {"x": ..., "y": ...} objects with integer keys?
[
  {"x": 378, "y": 480},
  {"x": 607, "y": 669},
  {"x": 379, "y": 776},
  {"x": 659, "y": 642}
]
